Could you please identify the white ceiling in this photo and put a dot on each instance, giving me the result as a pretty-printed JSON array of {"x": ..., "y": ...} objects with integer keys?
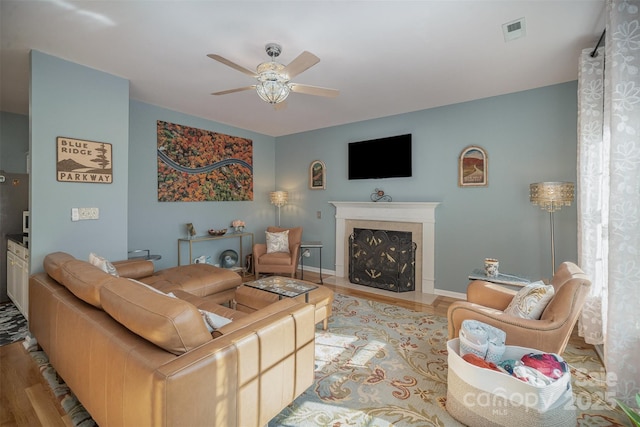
[{"x": 385, "y": 57}]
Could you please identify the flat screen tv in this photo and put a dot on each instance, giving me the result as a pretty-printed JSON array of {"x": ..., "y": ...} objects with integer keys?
[{"x": 380, "y": 158}]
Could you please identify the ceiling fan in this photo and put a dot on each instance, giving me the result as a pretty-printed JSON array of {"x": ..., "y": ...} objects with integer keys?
[{"x": 274, "y": 79}]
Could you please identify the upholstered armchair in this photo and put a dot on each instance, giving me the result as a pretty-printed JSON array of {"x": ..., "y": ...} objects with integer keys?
[
  {"x": 487, "y": 301},
  {"x": 278, "y": 262}
]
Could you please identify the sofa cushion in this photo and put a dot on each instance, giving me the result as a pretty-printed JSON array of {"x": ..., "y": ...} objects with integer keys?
[
  {"x": 84, "y": 280},
  {"x": 198, "y": 279},
  {"x": 134, "y": 268},
  {"x": 170, "y": 323},
  {"x": 53, "y": 263}
]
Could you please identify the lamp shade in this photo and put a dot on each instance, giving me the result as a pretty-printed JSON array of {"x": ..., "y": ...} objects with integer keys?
[
  {"x": 551, "y": 196},
  {"x": 279, "y": 198}
]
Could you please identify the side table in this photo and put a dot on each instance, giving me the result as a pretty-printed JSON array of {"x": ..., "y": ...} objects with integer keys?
[
  {"x": 501, "y": 278},
  {"x": 310, "y": 245}
]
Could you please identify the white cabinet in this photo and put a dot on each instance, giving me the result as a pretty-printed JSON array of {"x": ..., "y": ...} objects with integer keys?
[{"x": 18, "y": 276}]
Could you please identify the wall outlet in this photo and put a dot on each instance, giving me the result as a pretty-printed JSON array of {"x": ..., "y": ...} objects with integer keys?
[
  {"x": 81, "y": 214},
  {"x": 89, "y": 213},
  {"x": 319, "y": 214}
]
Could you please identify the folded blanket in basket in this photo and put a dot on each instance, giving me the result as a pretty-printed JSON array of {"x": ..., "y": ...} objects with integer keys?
[{"x": 485, "y": 341}]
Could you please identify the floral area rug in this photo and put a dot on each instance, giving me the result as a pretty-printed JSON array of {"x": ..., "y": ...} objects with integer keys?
[
  {"x": 13, "y": 325},
  {"x": 380, "y": 365}
]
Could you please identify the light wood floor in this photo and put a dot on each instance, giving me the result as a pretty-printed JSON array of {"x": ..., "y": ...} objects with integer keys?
[{"x": 26, "y": 399}]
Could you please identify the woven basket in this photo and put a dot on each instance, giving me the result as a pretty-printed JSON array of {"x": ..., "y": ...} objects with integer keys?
[{"x": 482, "y": 397}]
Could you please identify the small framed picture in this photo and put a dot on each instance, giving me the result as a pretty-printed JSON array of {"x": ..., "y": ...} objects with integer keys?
[
  {"x": 317, "y": 175},
  {"x": 473, "y": 167}
]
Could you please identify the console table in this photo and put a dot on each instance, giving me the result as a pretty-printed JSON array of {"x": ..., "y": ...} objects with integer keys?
[{"x": 193, "y": 240}]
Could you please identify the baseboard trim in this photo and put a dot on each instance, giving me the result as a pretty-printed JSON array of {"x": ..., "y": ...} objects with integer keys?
[{"x": 457, "y": 295}]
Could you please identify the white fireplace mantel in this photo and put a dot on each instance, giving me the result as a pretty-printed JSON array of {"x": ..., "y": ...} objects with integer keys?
[{"x": 403, "y": 212}]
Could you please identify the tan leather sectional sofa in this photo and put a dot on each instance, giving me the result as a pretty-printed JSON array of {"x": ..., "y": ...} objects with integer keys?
[{"x": 136, "y": 357}]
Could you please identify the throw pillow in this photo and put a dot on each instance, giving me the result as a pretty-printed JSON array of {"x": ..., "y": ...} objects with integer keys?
[
  {"x": 530, "y": 301},
  {"x": 103, "y": 264},
  {"x": 277, "y": 242},
  {"x": 213, "y": 321}
]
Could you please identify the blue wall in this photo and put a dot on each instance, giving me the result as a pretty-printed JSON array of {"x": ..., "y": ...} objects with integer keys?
[
  {"x": 529, "y": 137},
  {"x": 157, "y": 225},
  {"x": 14, "y": 142},
  {"x": 71, "y": 100}
]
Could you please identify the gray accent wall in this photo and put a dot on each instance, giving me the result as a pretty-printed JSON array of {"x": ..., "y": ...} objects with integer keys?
[
  {"x": 70, "y": 100},
  {"x": 529, "y": 137}
]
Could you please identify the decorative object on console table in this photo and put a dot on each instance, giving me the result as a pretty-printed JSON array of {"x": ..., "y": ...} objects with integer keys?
[
  {"x": 220, "y": 232},
  {"x": 473, "y": 167},
  {"x": 317, "y": 175},
  {"x": 238, "y": 225},
  {"x": 379, "y": 196},
  {"x": 552, "y": 196},
  {"x": 191, "y": 230},
  {"x": 279, "y": 198}
]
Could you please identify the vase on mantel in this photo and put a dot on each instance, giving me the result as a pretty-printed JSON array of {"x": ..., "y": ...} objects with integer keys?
[{"x": 239, "y": 229}]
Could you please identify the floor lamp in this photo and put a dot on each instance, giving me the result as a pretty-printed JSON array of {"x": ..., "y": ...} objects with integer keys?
[
  {"x": 279, "y": 198},
  {"x": 551, "y": 196}
]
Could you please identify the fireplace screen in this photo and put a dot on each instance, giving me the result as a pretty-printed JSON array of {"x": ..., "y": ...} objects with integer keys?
[{"x": 382, "y": 259}]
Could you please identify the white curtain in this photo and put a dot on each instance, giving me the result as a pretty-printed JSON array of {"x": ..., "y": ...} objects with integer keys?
[{"x": 609, "y": 196}]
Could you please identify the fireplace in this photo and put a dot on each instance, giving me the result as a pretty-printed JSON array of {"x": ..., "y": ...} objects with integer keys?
[
  {"x": 416, "y": 217},
  {"x": 382, "y": 259}
]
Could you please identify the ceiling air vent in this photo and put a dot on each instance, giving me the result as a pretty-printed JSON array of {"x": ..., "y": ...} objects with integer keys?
[{"x": 514, "y": 29}]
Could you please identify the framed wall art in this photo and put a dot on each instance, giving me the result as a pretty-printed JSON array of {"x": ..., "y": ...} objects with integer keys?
[
  {"x": 473, "y": 167},
  {"x": 83, "y": 161},
  {"x": 199, "y": 165},
  {"x": 317, "y": 175}
]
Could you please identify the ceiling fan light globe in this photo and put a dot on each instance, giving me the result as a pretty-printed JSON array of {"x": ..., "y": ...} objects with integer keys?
[
  {"x": 273, "y": 91},
  {"x": 272, "y": 67}
]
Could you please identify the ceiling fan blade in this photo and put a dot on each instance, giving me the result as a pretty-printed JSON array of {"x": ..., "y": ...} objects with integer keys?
[
  {"x": 233, "y": 65},
  {"x": 303, "y": 62},
  {"x": 314, "y": 90},
  {"x": 239, "y": 89}
]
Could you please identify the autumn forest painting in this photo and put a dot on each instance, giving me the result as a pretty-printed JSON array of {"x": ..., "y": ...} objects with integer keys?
[{"x": 199, "y": 165}]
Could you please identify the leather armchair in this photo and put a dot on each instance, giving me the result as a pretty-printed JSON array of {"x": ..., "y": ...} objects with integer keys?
[
  {"x": 486, "y": 302},
  {"x": 278, "y": 262}
]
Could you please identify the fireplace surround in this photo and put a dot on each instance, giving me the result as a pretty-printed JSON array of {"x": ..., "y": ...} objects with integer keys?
[{"x": 417, "y": 217}]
